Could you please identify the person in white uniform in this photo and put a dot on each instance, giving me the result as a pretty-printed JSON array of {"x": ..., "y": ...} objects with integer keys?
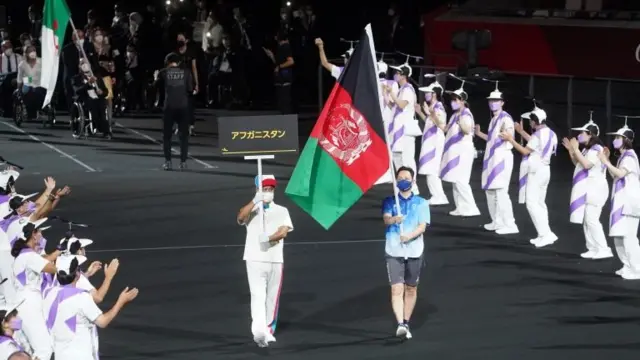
[
  {"x": 28, "y": 268},
  {"x": 387, "y": 109},
  {"x": 434, "y": 115},
  {"x": 540, "y": 146},
  {"x": 625, "y": 203},
  {"x": 72, "y": 315},
  {"x": 11, "y": 323},
  {"x": 497, "y": 167},
  {"x": 523, "y": 172},
  {"x": 335, "y": 70},
  {"x": 590, "y": 190},
  {"x": 8, "y": 179},
  {"x": 403, "y": 128},
  {"x": 458, "y": 155},
  {"x": 267, "y": 224}
]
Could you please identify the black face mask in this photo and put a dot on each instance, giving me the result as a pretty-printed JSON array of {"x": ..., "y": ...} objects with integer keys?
[{"x": 181, "y": 43}]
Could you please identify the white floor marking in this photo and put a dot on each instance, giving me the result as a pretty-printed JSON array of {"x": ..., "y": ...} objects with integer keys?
[
  {"x": 64, "y": 154},
  {"x": 145, "y": 136},
  {"x": 195, "y": 247}
]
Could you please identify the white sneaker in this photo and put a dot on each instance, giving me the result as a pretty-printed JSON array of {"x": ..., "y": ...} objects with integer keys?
[
  {"x": 438, "y": 202},
  {"x": 455, "y": 213},
  {"x": 546, "y": 240},
  {"x": 401, "y": 331},
  {"x": 630, "y": 275},
  {"x": 408, "y": 334},
  {"x": 261, "y": 340},
  {"x": 603, "y": 254},
  {"x": 507, "y": 230},
  {"x": 535, "y": 240},
  {"x": 270, "y": 338},
  {"x": 588, "y": 255},
  {"x": 490, "y": 227}
]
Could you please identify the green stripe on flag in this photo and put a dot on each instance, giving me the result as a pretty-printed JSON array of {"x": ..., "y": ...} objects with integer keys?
[
  {"x": 56, "y": 16},
  {"x": 320, "y": 187}
]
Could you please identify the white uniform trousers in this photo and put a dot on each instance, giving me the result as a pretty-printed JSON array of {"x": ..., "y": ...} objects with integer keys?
[
  {"x": 464, "y": 201},
  {"x": 7, "y": 291},
  {"x": 627, "y": 246},
  {"x": 265, "y": 283},
  {"x": 438, "y": 197},
  {"x": 35, "y": 329},
  {"x": 407, "y": 158},
  {"x": 593, "y": 231},
  {"x": 500, "y": 208},
  {"x": 535, "y": 200}
]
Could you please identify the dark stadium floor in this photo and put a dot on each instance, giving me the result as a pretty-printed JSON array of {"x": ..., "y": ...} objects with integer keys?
[{"x": 482, "y": 296}]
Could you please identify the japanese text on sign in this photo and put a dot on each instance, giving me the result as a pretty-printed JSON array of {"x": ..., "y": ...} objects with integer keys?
[{"x": 258, "y": 134}]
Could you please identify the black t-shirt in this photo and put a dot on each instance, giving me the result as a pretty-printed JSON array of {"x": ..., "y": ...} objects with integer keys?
[
  {"x": 282, "y": 53},
  {"x": 178, "y": 85},
  {"x": 187, "y": 57}
]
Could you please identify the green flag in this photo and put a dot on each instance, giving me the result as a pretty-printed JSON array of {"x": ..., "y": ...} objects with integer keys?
[{"x": 55, "y": 20}]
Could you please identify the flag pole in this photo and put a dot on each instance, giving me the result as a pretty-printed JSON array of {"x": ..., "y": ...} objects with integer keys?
[{"x": 84, "y": 54}]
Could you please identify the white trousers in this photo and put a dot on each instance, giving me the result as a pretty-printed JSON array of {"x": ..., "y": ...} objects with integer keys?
[
  {"x": 628, "y": 248},
  {"x": 7, "y": 291},
  {"x": 500, "y": 208},
  {"x": 463, "y": 199},
  {"x": 438, "y": 196},
  {"x": 535, "y": 200},
  {"x": 407, "y": 158},
  {"x": 35, "y": 329},
  {"x": 593, "y": 232},
  {"x": 265, "y": 283}
]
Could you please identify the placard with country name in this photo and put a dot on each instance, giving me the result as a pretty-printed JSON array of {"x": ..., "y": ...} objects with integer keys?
[{"x": 258, "y": 135}]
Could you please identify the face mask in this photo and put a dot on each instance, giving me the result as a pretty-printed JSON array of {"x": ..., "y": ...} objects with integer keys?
[
  {"x": 428, "y": 97},
  {"x": 181, "y": 43},
  {"x": 455, "y": 105},
  {"x": 84, "y": 67},
  {"x": 15, "y": 324},
  {"x": 396, "y": 77},
  {"x": 582, "y": 138},
  {"x": 494, "y": 106},
  {"x": 267, "y": 197},
  {"x": 32, "y": 55},
  {"x": 391, "y": 12},
  {"x": 27, "y": 43},
  {"x": 99, "y": 38},
  {"x": 8, "y": 52},
  {"x": 31, "y": 206},
  {"x": 617, "y": 143},
  {"x": 404, "y": 185},
  {"x": 81, "y": 42}
]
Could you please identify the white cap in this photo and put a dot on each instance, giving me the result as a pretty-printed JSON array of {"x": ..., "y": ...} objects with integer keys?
[
  {"x": 459, "y": 93},
  {"x": 382, "y": 67},
  {"x": 431, "y": 87},
  {"x": 539, "y": 113},
  {"x": 526, "y": 116},
  {"x": 495, "y": 94},
  {"x": 586, "y": 126},
  {"x": 63, "y": 263},
  {"x": 6, "y": 175},
  {"x": 5, "y": 210},
  {"x": 403, "y": 68},
  {"x": 36, "y": 224},
  {"x": 9, "y": 308},
  {"x": 83, "y": 242},
  {"x": 348, "y": 53},
  {"x": 625, "y": 132}
]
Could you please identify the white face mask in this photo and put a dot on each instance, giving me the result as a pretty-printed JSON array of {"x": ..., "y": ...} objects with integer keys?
[
  {"x": 99, "y": 38},
  {"x": 27, "y": 43},
  {"x": 8, "y": 52},
  {"x": 81, "y": 42},
  {"x": 267, "y": 197},
  {"x": 32, "y": 55},
  {"x": 84, "y": 67}
]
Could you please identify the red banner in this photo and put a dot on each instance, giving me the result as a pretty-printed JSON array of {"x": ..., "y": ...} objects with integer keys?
[{"x": 541, "y": 49}]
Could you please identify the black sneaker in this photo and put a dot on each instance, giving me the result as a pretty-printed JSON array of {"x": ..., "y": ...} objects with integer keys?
[
  {"x": 167, "y": 166},
  {"x": 183, "y": 166}
]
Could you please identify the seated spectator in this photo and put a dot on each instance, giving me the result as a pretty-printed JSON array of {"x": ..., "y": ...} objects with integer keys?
[
  {"x": 9, "y": 62},
  {"x": 220, "y": 74},
  {"x": 29, "y": 71}
]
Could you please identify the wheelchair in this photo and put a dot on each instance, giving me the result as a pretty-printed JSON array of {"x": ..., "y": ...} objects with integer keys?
[
  {"x": 21, "y": 115},
  {"x": 82, "y": 124}
]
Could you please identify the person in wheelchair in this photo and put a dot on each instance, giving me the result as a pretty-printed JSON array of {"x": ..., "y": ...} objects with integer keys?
[
  {"x": 29, "y": 71},
  {"x": 91, "y": 91}
]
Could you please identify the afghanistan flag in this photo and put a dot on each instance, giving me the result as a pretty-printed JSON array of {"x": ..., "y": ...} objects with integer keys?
[
  {"x": 346, "y": 152},
  {"x": 55, "y": 19}
]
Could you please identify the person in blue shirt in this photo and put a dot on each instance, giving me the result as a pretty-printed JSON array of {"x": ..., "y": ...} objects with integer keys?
[{"x": 404, "y": 246}]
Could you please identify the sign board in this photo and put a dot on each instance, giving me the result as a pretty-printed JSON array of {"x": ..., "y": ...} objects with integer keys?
[{"x": 258, "y": 135}]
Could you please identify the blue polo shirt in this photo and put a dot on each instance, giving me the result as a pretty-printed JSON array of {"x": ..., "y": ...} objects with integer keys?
[{"x": 415, "y": 210}]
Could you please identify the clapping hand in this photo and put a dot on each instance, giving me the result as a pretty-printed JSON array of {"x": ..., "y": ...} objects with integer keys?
[
  {"x": 604, "y": 155},
  {"x": 50, "y": 183},
  {"x": 517, "y": 126},
  {"x": 94, "y": 268},
  {"x": 478, "y": 131},
  {"x": 506, "y": 136}
]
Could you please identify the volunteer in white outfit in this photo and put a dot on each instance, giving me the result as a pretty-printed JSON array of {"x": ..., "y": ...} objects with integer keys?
[
  {"x": 497, "y": 166},
  {"x": 403, "y": 128},
  {"x": 264, "y": 258},
  {"x": 590, "y": 189},
  {"x": 72, "y": 315},
  {"x": 458, "y": 154},
  {"x": 74, "y": 246},
  {"x": 523, "y": 173},
  {"x": 27, "y": 211},
  {"x": 10, "y": 322},
  {"x": 540, "y": 146},
  {"x": 28, "y": 268},
  {"x": 7, "y": 291},
  {"x": 335, "y": 70},
  {"x": 8, "y": 179},
  {"x": 434, "y": 115},
  {"x": 625, "y": 203},
  {"x": 387, "y": 109}
]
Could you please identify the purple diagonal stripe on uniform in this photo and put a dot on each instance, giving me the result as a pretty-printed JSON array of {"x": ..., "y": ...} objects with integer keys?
[
  {"x": 615, "y": 216},
  {"x": 547, "y": 147},
  {"x": 492, "y": 152},
  {"x": 47, "y": 280},
  {"x": 397, "y": 136},
  {"x": 578, "y": 203},
  {"x": 453, "y": 140},
  {"x": 494, "y": 173},
  {"x": 64, "y": 293},
  {"x": 71, "y": 323},
  {"x": 4, "y": 224},
  {"x": 429, "y": 133},
  {"x": 581, "y": 175},
  {"x": 523, "y": 181},
  {"x": 22, "y": 278},
  {"x": 427, "y": 157},
  {"x": 450, "y": 166}
]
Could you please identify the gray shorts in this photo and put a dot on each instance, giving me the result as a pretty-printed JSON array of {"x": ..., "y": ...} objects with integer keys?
[{"x": 404, "y": 271}]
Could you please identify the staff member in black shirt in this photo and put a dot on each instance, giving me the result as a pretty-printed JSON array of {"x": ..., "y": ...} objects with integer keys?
[
  {"x": 178, "y": 87},
  {"x": 188, "y": 56},
  {"x": 283, "y": 72}
]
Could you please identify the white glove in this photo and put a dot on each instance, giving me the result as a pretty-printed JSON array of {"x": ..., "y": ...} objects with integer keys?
[
  {"x": 257, "y": 199},
  {"x": 264, "y": 238}
]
